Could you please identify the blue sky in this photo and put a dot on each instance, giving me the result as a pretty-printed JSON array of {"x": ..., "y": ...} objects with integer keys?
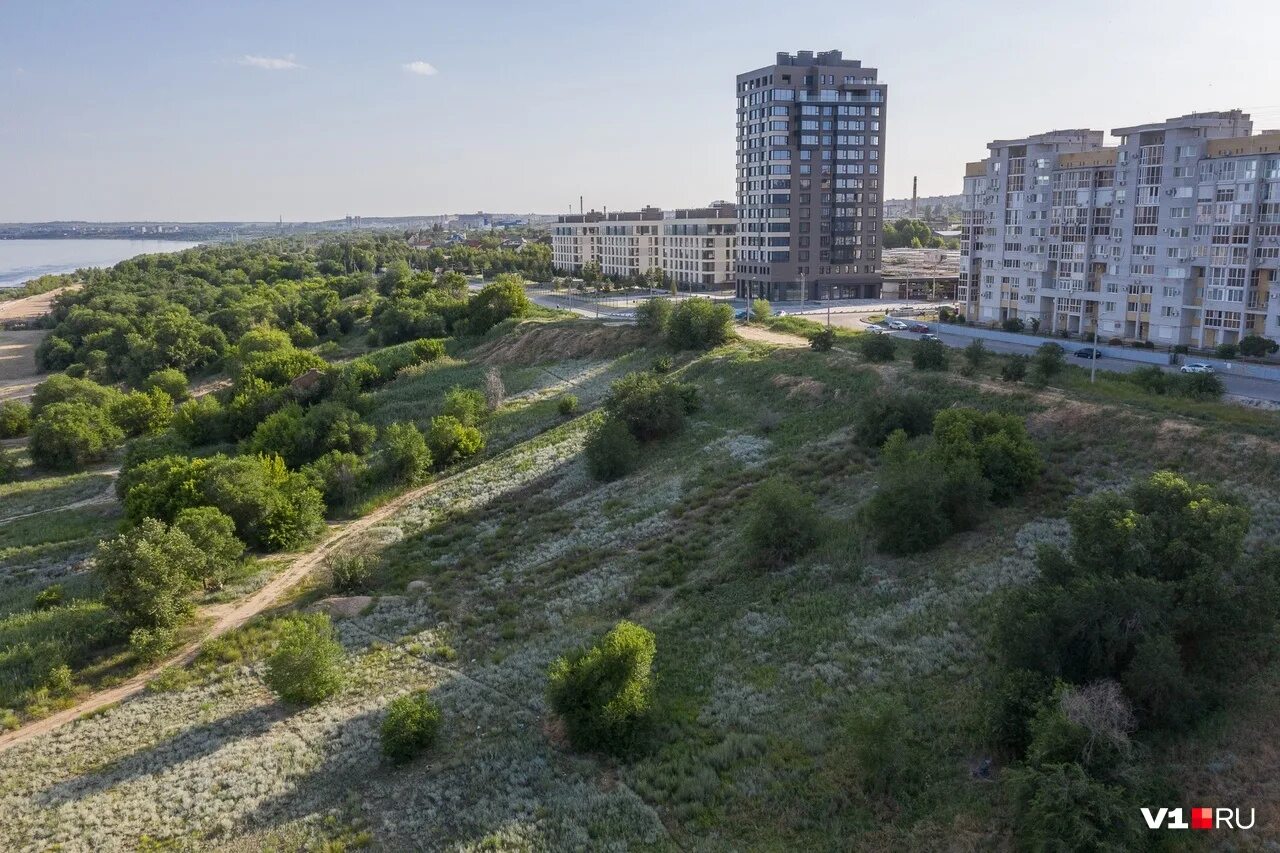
[{"x": 238, "y": 110}]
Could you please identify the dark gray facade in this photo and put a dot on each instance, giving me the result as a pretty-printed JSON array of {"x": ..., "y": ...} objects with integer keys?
[{"x": 811, "y": 131}]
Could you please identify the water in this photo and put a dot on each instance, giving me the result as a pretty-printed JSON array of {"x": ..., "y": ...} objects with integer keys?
[{"x": 23, "y": 260}]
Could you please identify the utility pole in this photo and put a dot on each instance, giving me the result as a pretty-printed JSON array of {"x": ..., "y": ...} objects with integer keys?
[{"x": 1093, "y": 362}]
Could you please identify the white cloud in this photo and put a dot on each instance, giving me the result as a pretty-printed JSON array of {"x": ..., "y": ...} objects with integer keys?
[
  {"x": 426, "y": 69},
  {"x": 269, "y": 63}
]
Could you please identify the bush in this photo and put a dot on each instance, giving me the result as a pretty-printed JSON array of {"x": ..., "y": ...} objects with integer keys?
[
  {"x": 500, "y": 299},
  {"x": 405, "y": 457},
  {"x": 152, "y": 644},
  {"x": 663, "y": 364},
  {"x": 783, "y": 522},
  {"x": 61, "y": 388},
  {"x": 567, "y": 405},
  {"x": 1256, "y": 346},
  {"x": 1060, "y": 807},
  {"x": 410, "y": 727},
  {"x": 975, "y": 354},
  {"x": 997, "y": 443},
  {"x": 15, "y": 419},
  {"x": 604, "y": 694},
  {"x": 1201, "y": 386},
  {"x": 68, "y": 436},
  {"x": 653, "y": 315},
  {"x": 50, "y": 597},
  {"x": 761, "y": 309},
  {"x": 452, "y": 441},
  {"x": 1013, "y": 324},
  {"x": 465, "y": 405},
  {"x": 339, "y": 475},
  {"x": 202, "y": 421},
  {"x": 351, "y": 573},
  {"x": 823, "y": 341},
  {"x": 1226, "y": 351},
  {"x": 1151, "y": 379},
  {"x": 1048, "y": 361},
  {"x": 146, "y": 575},
  {"x": 611, "y": 450},
  {"x": 8, "y": 467},
  {"x": 306, "y": 666},
  {"x": 929, "y": 355},
  {"x": 884, "y": 750},
  {"x": 651, "y": 407},
  {"x": 1014, "y": 368},
  {"x": 428, "y": 349},
  {"x": 885, "y": 412},
  {"x": 698, "y": 323},
  {"x": 171, "y": 381},
  {"x": 876, "y": 348},
  {"x": 213, "y": 534},
  {"x": 142, "y": 412}
]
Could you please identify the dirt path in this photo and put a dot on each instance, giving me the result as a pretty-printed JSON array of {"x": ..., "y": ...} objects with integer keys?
[
  {"x": 782, "y": 339},
  {"x": 226, "y": 617}
]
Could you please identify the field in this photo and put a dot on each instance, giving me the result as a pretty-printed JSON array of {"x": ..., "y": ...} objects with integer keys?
[{"x": 524, "y": 556}]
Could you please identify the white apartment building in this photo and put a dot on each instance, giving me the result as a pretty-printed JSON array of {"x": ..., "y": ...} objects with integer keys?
[
  {"x": 1171, "y": 236},
  {"x": 695, "y": 248}
]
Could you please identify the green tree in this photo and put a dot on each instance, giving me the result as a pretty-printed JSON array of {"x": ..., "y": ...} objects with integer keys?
[
  {"x": 699, "y": 324},
  {"x": 15, "y": 418},
  {"x": 783, "y": 522},
  {"x": 876, "y": 348},
  {"x": 975, "y": 354},
  {"x": 928, "y": 355},
  {"x": 1257, "y": 346},
  {"x": 650, "y": 406},
  {"x": 605, "y": 694},
  {"x": 213, "y": 534},
  {"x": 404, "y": 456},
  {"x": 452, "y": 441},
  {"x": 761, "y": 309},
  {"x": 653, "y": 315},
  {"x": 611, "y": 450},
  {"x": 466, "y": 405},
  {"x": 142, "y": 412},
  {"x": 61, "y": 388},
  {"x": 502, "y": 298},
  {"x": 411, "y": 726},
  {"x": 69, "y": 436},
  {"x": 1048, "y": 361},
  {"x": 146, "y": 575},
  {"x": 306, "y": 667},
  {"x": 171, "y": 381}
]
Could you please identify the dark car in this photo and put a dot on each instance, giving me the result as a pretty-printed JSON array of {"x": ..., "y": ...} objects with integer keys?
[
  {"x": 919, "y": 328},
  {"x": 1089, "y": 352}
]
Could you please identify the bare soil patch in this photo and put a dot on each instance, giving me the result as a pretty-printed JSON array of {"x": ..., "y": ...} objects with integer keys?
[{"x": 543, "y": 343}]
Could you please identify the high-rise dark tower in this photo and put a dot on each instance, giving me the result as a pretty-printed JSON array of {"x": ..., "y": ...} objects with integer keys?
[{"x": 810, "y": 176}]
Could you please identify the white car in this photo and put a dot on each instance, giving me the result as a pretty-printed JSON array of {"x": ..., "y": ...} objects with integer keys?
[
  {"x": 878, "y": 330},
  {"x": 1197, "y": 367},
  {"x": 897, "y": 325}
]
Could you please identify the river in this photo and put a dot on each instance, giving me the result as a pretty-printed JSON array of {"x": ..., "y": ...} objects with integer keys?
[{"x": 23, "y": 260}]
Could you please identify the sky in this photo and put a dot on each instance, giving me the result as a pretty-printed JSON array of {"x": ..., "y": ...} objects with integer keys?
[{"x": 230, "y": 110}]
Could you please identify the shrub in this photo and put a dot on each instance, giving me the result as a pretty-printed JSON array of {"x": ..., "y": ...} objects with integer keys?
[
  {"x": 1181, "y": 349},
  {"x": 452, "y": 441},
  {"x": 1013, "y": 324},
  {"x": 306, "y": 666},
  {"x": 213, "y": 534},
  {"x": 410, "y": 727},
  {"x": 339, "y": 475},
  {"x": 783, "y": 522},
  {"x": 405, "y": 457},
  {"x": 1257, "y": 346},
  {"x": 1201, "y": 386},
  {"x": 1151, "y": 379},
  {"x": 1014, "y": 368},
  {"x": 604, "y": 694},
  {"x": 201, "y": 421},
  {"x": 611, "y": 450},
  {"x": 567, "y": 405},
  {"x": 975, "y": 354},
  {"x": 142, "y": 412},
  {"x": 761, "y": 309},
  {"x": 152, "y": 644},
  {"x": 1048, "y": 361},
  {"x": 428, "y": 349},
  {"x": 146, "y": 575},
  {"x": 885, "y": 412},
  {"x": 8, "y": 467},
  {"x": 171, "y": 381},
  {"x": 653, "y": 315},
  {"x": 466, "y": 406},
  {"x": 1060, "y": 807},
  {"x": 908, "y": 511},
  {"x": 823, "y": 341},
  {"x": 1226, "y": 351},
  {"x": 651, "y": 407},
  {"x": 876, "y": 348},
  {"x": 500, "y": 299},
  {"x": 50, "y": 597},
  {"x": 15, "y": 419},
  {"x": 997, "y": 443},
  {"x": 929, "y": 355},
  {"x": 698, "y": 323},
  {"x": 884, "y": 750},
  {"x": 350, "y": 573},
  {"x": 67, "y": 436},
  {"x": 663, "y": 364},
  {"x": 61, "y": 388}
]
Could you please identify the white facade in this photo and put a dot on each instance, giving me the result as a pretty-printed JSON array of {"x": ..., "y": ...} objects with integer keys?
[{"x": 1172, "y": 236}]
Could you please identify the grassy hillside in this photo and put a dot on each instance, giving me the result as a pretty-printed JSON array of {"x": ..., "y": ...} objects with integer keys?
[{"x": 766, "y": 674}]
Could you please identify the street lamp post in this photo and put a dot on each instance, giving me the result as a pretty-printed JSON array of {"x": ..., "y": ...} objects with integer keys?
[{"x": 1093, "y": 359}]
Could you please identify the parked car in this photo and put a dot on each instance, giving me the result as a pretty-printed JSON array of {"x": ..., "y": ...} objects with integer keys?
[
  {"x": 918, "y": 327},
  {"x": 929, "y": 336},
  {"x": 1089, "y": 353},
  {"x": 896, "y": 325},
  {"x": 779, "y": 313},
  {"x": 878, "y": 330},
  {"x": 1197, "y": 367},
  {"x": 740, "y": 314}
]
